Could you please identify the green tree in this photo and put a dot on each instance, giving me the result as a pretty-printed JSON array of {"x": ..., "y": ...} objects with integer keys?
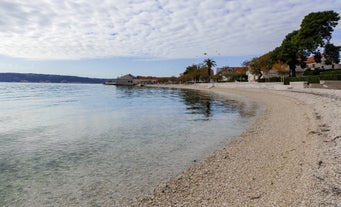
[
  {"x": 332, "y": 54},
  {"x": 195, "y": 73},
  {"x": 209, "y": 63},
  {"x": 316, "y": 30},
  {"x": 289, "y": 52},
  {"x": 314, "y": 34},
  {"x": 192, "y": 72}
]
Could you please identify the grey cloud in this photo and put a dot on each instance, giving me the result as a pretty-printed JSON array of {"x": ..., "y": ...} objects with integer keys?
[{"x": 48, "y": 29}]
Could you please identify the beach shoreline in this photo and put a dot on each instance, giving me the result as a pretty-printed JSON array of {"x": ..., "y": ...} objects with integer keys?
[{"x": 288, "y": 157}]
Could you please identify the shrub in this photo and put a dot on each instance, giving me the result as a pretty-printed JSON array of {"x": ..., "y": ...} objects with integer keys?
[
  {"x": 331, "y": 77},
  {"x": 241, "y": 78},
  {"x": 310, "y": 72},
  {"x": 272, "y": 79},
  {"x": 309, "y": 79},
  {"x": 331, "y": 72},
  {"x": 313, "y": 79}
]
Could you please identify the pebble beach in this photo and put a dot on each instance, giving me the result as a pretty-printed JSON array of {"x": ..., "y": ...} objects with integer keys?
[{"x": 290, "y": 156}]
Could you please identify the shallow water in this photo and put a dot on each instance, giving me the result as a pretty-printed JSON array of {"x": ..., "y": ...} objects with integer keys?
[{"x": 96, "y": 145}]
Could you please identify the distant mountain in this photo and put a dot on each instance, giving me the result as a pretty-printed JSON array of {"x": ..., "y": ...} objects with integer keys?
[{"x": 42, "y": 78}]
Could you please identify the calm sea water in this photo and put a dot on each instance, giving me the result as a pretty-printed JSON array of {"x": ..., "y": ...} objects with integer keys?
[{"x": 96, "y": 145}]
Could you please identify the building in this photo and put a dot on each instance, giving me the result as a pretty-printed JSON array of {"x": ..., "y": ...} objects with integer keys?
[
  {"x": 143, "y": 80},
  {"x": 130, "y": 80},
  {"x": 126, "y": 80},
  {"x": 311, "y": 63}
]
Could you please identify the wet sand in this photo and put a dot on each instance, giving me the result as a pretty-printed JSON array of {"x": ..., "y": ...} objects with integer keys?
[{"x": 290, "y": 156}]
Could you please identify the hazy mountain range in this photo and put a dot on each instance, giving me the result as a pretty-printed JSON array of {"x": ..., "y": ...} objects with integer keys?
[{"x": 44, "y": 78}]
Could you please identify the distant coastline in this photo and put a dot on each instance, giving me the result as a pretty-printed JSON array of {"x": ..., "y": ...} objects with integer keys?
[{"x": 48, "y": 78}]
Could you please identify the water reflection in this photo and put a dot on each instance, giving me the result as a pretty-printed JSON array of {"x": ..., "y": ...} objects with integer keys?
[
  {"x": 197, "y": 102},
  {"x": 208, "y": 104},
  {"x": 125, "y": 91}
]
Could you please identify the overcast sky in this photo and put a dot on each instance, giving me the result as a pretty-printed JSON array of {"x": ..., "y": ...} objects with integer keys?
[{"x": 108, "y": 38}]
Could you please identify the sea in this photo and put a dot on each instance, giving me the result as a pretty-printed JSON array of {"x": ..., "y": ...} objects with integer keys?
[{"x": 98, "y": 145}]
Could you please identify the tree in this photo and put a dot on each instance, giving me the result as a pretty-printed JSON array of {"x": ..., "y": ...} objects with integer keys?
[
  {"x": 314, "y": 34},
  {"x": 192, "y": 73},
  {"x": 261, "y": 64},
  {"x": 316, "y": 29},
  {"x": 195, "y": 73},
  {"x": 222, "y": 73},
  {"x": 289, "y": 52},
  {"x": 332, "y": 54},
  {"x": 254, "y": 67},
  {"x": 209, "y": 63},
  {"x": 281, "y": 69}
]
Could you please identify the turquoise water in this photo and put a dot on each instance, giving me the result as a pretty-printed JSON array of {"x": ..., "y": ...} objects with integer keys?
[{"x": 96, "y": 145}]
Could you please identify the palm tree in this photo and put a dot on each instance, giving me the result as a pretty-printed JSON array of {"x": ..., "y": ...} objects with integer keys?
[{"x": 209, "y": 63}]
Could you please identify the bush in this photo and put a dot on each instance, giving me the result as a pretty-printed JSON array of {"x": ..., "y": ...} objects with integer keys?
[
  {"x": 309, "y": 79},
  {"x": 310, "y": 72},
  {"x": 241, "y": 78},
  {"x": 331, "y": 72},
  {"x": 272, "y": 79},
  {"x": 331, "y": 77},
  {"x": 316, "y": 78},
  {"x": 313, "y": 79},
  {"x": 328, "y": 75}
]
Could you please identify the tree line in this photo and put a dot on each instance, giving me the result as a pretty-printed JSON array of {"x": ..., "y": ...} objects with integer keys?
[
  {"x": 199, "y": 72},
  {"x": 312, "y": 39}
]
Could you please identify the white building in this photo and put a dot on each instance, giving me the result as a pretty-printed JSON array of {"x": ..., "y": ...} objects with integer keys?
[{"x": 311, "y": 63}]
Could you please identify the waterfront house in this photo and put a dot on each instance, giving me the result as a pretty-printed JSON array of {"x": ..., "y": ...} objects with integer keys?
[
  {"x": 130, "y": 80},
  {"x": 126, "y": 80},
  {"x": 144, "y": 80}
]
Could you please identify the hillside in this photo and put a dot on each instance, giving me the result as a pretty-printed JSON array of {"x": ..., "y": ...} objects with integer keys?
[{"x": 43, "y": 78}]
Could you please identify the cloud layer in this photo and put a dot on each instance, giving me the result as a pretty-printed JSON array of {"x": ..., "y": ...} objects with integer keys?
[{"x": 50, "y": 29}]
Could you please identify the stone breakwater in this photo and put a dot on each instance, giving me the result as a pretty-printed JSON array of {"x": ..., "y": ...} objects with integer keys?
[{"x": 289, "y": 157}]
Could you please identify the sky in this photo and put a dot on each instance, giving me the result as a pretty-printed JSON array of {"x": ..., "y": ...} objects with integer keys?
[{"x": 110, "y": 38}]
